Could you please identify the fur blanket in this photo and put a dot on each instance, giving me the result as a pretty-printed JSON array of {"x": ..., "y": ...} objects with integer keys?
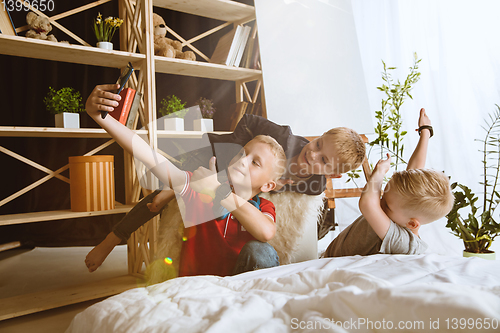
[{"x": 293, "y": 212}]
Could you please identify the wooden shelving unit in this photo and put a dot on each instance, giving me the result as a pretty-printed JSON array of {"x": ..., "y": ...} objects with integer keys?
[{"x": 135, "y": 34}]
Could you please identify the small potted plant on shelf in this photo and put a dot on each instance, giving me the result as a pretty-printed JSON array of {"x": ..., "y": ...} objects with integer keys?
[
  {"x": 478, "y": 229},
  {"x": 105, "y": 29},
  {"x": 173, "y": 112},
  {"x": 207, "y": 111},
  {"x": 65, "y": 104}
]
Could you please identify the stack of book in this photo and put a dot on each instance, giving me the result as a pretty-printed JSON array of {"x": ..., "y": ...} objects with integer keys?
[
  {"x": 126, "y": 111},
  {"x": 238, "y": 48}
]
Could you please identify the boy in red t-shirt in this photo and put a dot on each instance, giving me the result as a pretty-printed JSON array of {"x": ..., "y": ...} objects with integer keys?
[{"x": 216, "y": 245}]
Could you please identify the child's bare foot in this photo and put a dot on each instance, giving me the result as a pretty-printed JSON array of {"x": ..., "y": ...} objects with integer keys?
[
  {"x": 160, "y": 200},
  {"x": 98, "y": 254}
]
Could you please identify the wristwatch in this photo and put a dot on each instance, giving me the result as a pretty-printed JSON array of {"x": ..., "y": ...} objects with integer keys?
[
  {"x": 429, "y": 127},
  {"x": 222, "y": 192}
]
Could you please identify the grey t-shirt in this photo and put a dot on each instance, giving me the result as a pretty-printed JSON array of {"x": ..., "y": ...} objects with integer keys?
[{"x": 360, "y": 239}]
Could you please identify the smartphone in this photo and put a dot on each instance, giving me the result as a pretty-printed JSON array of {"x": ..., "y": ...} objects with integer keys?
[{"x": 122, "y": 80}]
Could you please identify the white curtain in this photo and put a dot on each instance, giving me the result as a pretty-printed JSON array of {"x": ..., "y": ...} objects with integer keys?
[{"x": 459, "y": 44}]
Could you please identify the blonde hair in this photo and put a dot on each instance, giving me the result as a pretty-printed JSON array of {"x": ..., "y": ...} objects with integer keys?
[
  {"x": 278, "y": 152},
  {"x": 350, "y": 147},
  {"x": 424, "y": 192}
]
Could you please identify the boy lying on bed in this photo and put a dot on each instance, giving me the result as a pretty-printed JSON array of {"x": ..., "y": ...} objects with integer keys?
[
  {"x": 411, "y": 198},
  {"x": 308, "y": 164},
  {"x": 217, "y": 241}
]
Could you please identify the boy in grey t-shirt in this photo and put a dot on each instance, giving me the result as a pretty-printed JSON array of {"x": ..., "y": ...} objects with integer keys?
[{"x": 391, "y": 220}]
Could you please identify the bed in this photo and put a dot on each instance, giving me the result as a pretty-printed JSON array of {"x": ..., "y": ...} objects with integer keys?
[{"x": 362, "y": 294}]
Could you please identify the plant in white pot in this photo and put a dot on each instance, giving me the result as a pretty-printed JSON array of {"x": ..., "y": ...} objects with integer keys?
[
  {"x": 173, "y": 112},
  {"x": 65, "y": 104},
  {"x": 207, "y": 110},
  {"x": 104, "y": 30},
  {"x": 478, "y": 228}
]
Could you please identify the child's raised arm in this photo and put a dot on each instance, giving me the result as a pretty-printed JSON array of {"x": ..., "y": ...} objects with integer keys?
[
  {"x": 369, "y": 202},
  {"x": 417, "y": 159},
  {"x": 102, "y": 99}
]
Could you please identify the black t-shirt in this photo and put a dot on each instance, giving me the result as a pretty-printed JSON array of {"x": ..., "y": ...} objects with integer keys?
[{"x": 226, "y": 146}]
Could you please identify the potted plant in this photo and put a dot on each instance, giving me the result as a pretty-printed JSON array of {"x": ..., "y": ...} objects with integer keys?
[
  {"x": 173, "y": 112},
  {"x": 389, "y": 128},
  {"x": 105, "y": 29},
  {"x": 65, "y": 104},
  {"x": 207, "y": 110},
  {"x": 478, "y": 229}
]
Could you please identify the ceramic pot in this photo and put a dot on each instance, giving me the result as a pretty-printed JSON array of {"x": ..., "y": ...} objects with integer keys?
[
  {"x": 105, "y": 45},
  {"x": 67, "y": 120},
  {"x": 487, "y": 256},
  {"x": 204, "y": 125},
  {"x": 173, "y": 124}
]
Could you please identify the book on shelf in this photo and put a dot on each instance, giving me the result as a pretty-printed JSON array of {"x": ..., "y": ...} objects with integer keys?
[
  {"x": 225, "y": 47},
  {"x": 134, "y": 110},
  {"x": 247, "y": 54},
  {"x": 237, "y": 111},
  {"x": 122, "y": 110},
  {"x": 6, "y": 25},
  {"x": 242, "y": 44}
]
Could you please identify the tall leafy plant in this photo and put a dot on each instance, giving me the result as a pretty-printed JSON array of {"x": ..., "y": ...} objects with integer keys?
[
  {"x": 389, "y": 119},
  {"x": 478, "y": 228}
]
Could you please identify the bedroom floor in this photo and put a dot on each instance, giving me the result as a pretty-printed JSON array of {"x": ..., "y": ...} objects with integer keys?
[{"x": 26, "y": 271}]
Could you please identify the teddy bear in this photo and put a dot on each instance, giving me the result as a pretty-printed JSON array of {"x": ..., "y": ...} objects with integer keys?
[
  {"x": 39, "y": 27},
  {"x": 165, "y": 46}
]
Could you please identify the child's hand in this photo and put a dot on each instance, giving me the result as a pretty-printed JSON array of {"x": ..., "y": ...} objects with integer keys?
[
  {"x": 383, "y": 166},
  {"x": 159, "y": 201},
  {"x": 205, "y": 180},
  {"x": 102, "y": 99},
  {"x": 423, "y": 119}
]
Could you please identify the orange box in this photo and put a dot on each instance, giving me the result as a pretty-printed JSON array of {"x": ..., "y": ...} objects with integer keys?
[{"x": 92, "y": 183}]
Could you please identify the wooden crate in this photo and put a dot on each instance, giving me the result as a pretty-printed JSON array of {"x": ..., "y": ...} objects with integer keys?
[{"x": 92, "y": 183}]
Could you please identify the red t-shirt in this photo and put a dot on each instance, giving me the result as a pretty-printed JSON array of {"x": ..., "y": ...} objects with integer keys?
[{"x": 212, "y": 248}]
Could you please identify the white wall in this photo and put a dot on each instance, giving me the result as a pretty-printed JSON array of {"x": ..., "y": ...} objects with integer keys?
[{"x": 313, "y": 77}]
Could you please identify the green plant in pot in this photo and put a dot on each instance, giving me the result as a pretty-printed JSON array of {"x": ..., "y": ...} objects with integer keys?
[
  {"x": 478, "y": 228},
  {"x": 206, "y": 110},
  {"x": 173, "y": 111},
  {"x": 65, "y": 104}
]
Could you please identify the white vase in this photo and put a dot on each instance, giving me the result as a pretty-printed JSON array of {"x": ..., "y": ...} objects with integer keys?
[
  {"x": 173, "y": 124},
  {"x": 488, "y": 256},
  {"x": 204, "y": 125},
  {"x": 67, "y": 120},
  {"x": 105, "y": 45}
]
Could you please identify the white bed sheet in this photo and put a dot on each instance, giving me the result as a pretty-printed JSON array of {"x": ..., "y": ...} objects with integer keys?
[{"x": 347, "y": 294}]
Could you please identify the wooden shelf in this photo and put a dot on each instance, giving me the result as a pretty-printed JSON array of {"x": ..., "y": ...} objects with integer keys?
[
  {"x": 40, "y": 49},
  {"x": 204, "y": 69},
  {"x": 25, "y": 304},
  {"x": 224, "y": 10},
  {"x": 57, "y": 215},
  {"x": 53, "y": 132}
]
